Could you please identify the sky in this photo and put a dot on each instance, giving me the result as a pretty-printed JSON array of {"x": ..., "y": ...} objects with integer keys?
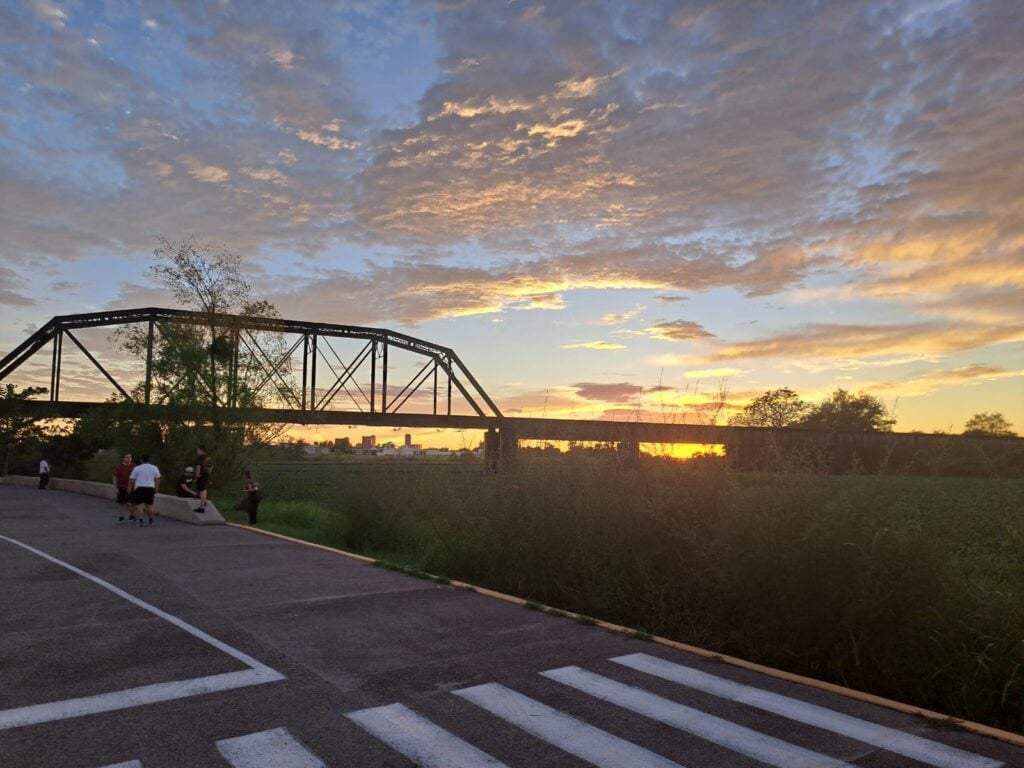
[{"x": 608, "y": 209}]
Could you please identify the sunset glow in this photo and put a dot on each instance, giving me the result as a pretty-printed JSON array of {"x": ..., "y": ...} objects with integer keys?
[{"x": 610, "y": 210}]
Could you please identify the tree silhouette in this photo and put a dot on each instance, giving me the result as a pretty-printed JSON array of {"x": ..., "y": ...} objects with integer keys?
[
  {"x": 989, "y": 425},
  {"x": 775, "y": 408},
  {"x": 846, "y": 412}
]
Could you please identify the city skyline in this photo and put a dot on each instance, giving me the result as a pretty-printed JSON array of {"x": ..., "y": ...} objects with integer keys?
[{"x": 606, "y": 210}]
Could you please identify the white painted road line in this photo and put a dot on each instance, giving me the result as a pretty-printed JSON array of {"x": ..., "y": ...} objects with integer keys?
[
  {"x": 738, "y": 738},
  {"x": 131, "y": 697},
  {"x": 268, "y": 749},
  {"x": 586, "y": 742},
  {"x": 257, "y": 673},
  {"x": 129, "y": 764},
  {"x": 908, "y": 745},
  {"x": 426, "y": 744}
]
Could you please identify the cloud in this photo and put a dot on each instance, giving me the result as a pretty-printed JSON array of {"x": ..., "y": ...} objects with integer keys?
[
  {"x": 934, "y": 380},
  {"x": 601, "y": 345},
  {"x": 830, "y": 341},
  {"x": 714, "y": 373},
  {"x": 614, "y": 393},
  {"x": 568, "y": 147},
  {"x": 678, "y": 330}
]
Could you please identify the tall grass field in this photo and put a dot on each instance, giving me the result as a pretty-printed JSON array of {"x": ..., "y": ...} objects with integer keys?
[{"x": 910, "y": 588}]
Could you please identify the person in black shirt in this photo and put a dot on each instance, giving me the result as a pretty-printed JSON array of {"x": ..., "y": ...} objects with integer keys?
[
  {"x": 204, "y": 467},
  {"x": 184, "y": 487}
]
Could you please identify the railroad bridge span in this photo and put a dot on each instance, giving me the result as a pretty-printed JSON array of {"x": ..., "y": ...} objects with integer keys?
[{"x": 269, "y": 369}]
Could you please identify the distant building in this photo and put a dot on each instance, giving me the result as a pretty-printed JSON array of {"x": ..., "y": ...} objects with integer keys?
[
  {"x": 316, "y": 450},
  {"x": 368, "y": 441}
]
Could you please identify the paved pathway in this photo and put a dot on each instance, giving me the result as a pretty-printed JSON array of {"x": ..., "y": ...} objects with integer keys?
[{"x": 175, "y": 646}]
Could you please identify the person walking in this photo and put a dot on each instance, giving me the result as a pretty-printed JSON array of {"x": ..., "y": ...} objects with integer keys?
[
  {"x": 122, "y": 475},
  {"x": 204, "y": 468},
  {"x": 184, "y": 487},
  {"x": 253, "y": 495},
  {"x": 44, "y": 473},
  {"x": 143, "y": 482}
]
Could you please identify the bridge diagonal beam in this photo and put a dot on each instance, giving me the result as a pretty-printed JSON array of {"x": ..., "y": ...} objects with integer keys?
[
  {"x": 274, "y": 370},
  {"x": 410, "y": 389},
  {"x": 13, "y": 360},
  {"x": 347, "y": 374},
  {"x": 454, "y": 379},
  {"x": 96, "y": 362}
]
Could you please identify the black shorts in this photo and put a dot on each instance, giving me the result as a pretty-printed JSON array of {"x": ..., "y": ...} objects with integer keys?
[
  {"x": 122, "y": 496},
  {"x": 201, "y": 483},
  {"x": 143, "y": 496}
]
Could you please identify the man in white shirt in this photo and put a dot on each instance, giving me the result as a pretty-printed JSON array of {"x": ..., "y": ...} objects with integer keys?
[
  {"x": 142, "y": 485},
  {"x": 44, "y": 474}
]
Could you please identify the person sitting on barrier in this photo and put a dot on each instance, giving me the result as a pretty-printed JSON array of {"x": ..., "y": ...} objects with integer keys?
[
  {"x": 184, "y": 487},
  {"x": 122, "y": 472},
  {"x": 143, "y": 482}
]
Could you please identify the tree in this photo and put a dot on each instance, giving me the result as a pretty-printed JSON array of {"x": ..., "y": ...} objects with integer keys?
[
  {"x": 775, "y": 408},
  {"x": 15, "y": 427},
  {"x": 989, "y": 425},
  {"x": 845, "y": 412},
  {"x": 201, "y": 369}
]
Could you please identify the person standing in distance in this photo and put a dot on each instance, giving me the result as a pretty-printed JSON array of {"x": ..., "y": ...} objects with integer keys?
[
  {"x": 44, "y": 473},
  {"x": 204, "y": 468},
  {"x": 253, "y": 495},
  {"x": 143, "y": 482},
  {"x": 122, "y": 473}
]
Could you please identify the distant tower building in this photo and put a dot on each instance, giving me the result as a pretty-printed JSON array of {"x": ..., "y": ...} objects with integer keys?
[
  {"x": 408, "y": 440},
  {"x": 369, "y": 441}
]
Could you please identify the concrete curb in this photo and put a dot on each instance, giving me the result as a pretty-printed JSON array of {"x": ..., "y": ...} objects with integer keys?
[
  {"x": 163, "y": 505},
  {"x": 1015, "y": 739}
]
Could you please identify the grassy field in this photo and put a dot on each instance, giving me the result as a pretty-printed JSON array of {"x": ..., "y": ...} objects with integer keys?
[{"x": 911, "y": 588}]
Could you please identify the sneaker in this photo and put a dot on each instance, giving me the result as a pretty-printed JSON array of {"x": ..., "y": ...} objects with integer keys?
[
  {"x": 120, "y": 520},
  {"x": 150, "y": 521},
  {"x": 140, "y": 522},
  {"x": 200, "y": 510},
  {"x": 131, "y": 518}
]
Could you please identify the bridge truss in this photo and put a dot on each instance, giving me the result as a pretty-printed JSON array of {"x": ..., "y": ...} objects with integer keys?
[{"x": 286, "y": 370}]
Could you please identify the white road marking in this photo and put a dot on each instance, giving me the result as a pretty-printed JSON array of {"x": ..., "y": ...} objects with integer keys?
[
  {"x": 129, "y": 764},
  {"x": 908, "y": 745},
  {"x": 738, "y": 738},
  {"x": 586, "y": 742},
  {"x": 257, "y": 673},
  {"x": 426, "y": 744},
  {"x": 275, "y": 748}
]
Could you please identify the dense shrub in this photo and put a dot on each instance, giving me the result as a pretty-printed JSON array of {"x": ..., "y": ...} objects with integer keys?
[{"x": 911, "y": 588}]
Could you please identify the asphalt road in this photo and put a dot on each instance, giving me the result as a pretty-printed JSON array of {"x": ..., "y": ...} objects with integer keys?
[{"x": 176, "y": 646}]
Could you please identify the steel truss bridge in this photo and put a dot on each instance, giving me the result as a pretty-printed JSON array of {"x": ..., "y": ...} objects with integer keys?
[{"x": 295, "y": 372}]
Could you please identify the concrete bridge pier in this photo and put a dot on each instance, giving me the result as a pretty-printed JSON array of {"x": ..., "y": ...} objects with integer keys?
[
  {"x": 501, "y": 451},
  {"x": 629, "y": 454}
]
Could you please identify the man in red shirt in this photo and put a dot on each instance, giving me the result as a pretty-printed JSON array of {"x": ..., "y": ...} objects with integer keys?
[{"x": 122, "y": 472}]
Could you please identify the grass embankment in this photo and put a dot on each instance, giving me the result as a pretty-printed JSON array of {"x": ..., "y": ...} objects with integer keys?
[{"x": 910, "y": 588}]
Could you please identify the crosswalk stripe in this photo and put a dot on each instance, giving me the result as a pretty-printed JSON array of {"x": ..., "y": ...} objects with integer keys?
[
  {"x": 426, "y": 744},
  {"x": 908, "y": 745},
  {"x": 738, "y": 738},
  {"x": 268, "y": 749},
  {"x": 563, "y": 731}
]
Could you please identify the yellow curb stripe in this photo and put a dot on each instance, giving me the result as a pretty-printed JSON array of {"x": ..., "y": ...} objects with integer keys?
[{"x": 869, "y": 698}]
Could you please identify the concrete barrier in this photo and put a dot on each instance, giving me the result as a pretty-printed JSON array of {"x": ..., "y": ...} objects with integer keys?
[{"x": 163, "y": 505}]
